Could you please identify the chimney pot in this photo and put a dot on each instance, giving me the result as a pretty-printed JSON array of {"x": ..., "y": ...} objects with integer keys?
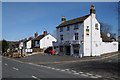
[
  {"x": 45, "y": 33},
  {"x": 92, "y": 10},
  {"x": 63, "y": 19},
  {"x": 36, "y": 34}
]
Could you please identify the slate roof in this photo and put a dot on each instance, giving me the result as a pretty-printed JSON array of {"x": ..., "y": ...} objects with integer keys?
[
  {"x": 73, "y": 21},
  {"x": 39, "y": 37}
]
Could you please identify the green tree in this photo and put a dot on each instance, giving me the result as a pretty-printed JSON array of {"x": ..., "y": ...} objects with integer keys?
[{"x": 5, "y": 46}]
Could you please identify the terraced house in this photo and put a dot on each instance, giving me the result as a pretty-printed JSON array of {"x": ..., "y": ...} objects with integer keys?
[{"x": 82, "y": 37}]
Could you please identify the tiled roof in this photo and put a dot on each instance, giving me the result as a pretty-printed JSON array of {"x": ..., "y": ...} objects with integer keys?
[{"x": 73, "y": 21}]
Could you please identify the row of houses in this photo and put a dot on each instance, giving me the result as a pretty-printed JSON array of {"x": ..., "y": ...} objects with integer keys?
[
  {"x": 80, "y": 36},
  {"x": 37, "y": 43}
]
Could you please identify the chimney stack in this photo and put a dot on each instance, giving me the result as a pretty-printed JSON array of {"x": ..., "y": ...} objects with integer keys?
[
  {"x": 36, "y": 34},
  {"x": 45, "y": 33},
  {"x": 92, "y": 10},
  {"x": 63, "y": 19}
]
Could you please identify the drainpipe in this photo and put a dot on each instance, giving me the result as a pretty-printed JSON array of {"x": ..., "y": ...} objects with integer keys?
[{"x": 91, "y": 36}]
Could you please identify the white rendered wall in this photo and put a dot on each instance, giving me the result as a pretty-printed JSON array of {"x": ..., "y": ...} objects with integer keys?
[
  {"x": 28, "y": 45},
  {"x": 108, "y": 47},
  {"x": 47, "y": 41},
  {"x": 92, "y": 47},
  {"x": 70, "y": 35}
]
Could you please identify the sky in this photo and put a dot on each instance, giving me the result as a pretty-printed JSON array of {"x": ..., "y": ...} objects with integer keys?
[{"x": 22, "y": 19}]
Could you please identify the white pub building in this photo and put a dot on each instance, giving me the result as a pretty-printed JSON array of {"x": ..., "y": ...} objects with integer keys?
[{"x": 82, "y": 37}]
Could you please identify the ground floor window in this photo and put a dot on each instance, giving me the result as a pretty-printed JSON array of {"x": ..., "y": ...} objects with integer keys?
[{"x": 76, "y": 51}]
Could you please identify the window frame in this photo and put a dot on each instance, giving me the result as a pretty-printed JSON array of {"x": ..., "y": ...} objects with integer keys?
[
  {"x": 61, "y": 37},
  {"x": 61, "y": 29},
  {"x": 96, "y": 26},
  {"x": 76, "y": 26},
  {"x": 76, "y": 36}
]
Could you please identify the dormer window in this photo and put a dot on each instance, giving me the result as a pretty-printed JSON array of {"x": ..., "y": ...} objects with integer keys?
[
  {"x": 96, "y": 26},
  {"x": 75, "y": 26},
  {"x": 61, "y": 29}
]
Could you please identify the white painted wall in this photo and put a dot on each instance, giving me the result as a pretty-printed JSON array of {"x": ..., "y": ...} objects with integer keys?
[
  {"x": 20, "y": 45},
  {"x": 108, "y": 47},
  {"x": 29, "y": 44},
  {"x": 92, "y": 42},
  {"x": 47, "y": 41},
  {"x": 70, "y": 35}
]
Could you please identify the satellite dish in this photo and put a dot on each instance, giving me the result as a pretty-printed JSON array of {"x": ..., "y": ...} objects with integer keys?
[{"x": 108, "y": 34}]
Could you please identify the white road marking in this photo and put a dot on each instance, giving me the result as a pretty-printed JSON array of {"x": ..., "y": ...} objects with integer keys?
[
  {"x": 15, "y": 68},
  {"x": 62, "y": 70},
  {"x": 6, "y": 64},
  {"x": 75, "y": 73},
  {"x": 80, "y": 72},
  {"x": 35, "y": 77},
  {"x": 48, "y": 67},
  {"x": 73, "y": 70},
  {"x": 84, "y": 75},
  {"x": 93, "y": 77},
  {"x": 98, "y": 75},
  {"x": 89, "y": 74},
  {"x": 58, "y": 69},
  {"x": 67, "y": 69}
]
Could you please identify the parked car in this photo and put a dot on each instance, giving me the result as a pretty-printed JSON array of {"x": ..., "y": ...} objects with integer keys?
[{"x": 50, "y": 50}]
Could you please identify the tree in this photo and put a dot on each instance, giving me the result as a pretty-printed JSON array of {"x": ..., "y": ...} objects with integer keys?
[
  {"x": 5, "y": 46},
  {"x": 106, "y": 28}
]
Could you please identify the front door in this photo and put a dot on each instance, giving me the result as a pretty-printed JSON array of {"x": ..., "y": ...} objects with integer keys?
[{"x": 67, "y": 49}]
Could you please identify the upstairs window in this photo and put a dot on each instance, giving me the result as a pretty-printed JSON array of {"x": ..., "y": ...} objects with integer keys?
[
  {"x": 96, "y": 26},
  {"x": 68, "y": 28},
  {"x": 61, "y": 37},
  {"x": 75, "y": 26},
  {"x": 61, "y": 29},
  {"x": 76, "y": 36},
  {"x": 87, "y": 30}
]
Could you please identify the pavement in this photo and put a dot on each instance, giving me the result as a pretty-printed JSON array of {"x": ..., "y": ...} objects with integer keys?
[{"x": 105, "y": 67}]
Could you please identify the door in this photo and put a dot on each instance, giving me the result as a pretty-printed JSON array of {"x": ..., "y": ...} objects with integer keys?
[{"x": 67, "y": 50}]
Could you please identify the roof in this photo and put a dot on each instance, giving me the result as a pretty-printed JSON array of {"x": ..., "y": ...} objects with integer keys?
[
  {"x": 40, "y": 37},
  {"x": 73, "y": 21}
]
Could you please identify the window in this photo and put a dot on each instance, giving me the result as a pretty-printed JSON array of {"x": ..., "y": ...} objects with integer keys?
[
  {"x": 68, "y": 28},
  {"x": 76, "y": 36},
  {"x": 61, "y": 37},
  {"x": 96, "y": 26},
  {"x": 37, "y": 42},
  {"x": 87, "y": 30},
  {"x": 75, "y": 26},
  {"x": 61, "y": 29},
  {"x": 47, "y": 37}
]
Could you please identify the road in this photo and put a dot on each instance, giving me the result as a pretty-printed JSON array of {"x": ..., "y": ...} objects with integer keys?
[{"x": 16, "y": 69}]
